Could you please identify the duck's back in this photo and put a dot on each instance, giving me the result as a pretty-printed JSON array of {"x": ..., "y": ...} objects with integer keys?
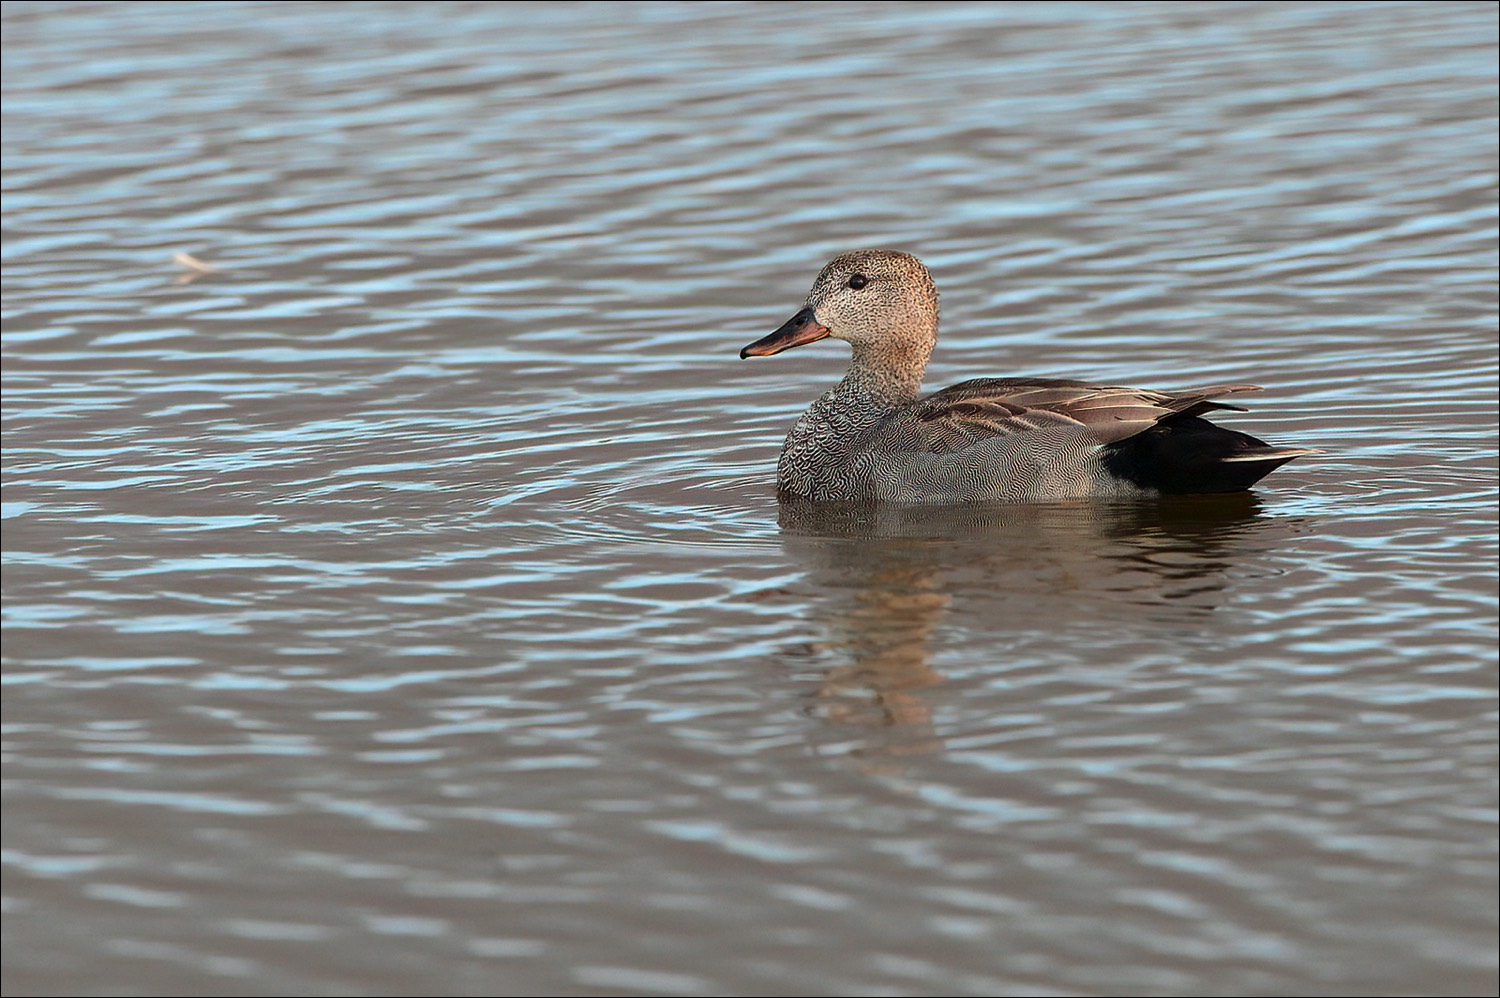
[{"x": 1041, "y": 439}]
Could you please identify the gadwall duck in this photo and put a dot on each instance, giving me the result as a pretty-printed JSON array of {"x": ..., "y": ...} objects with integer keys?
[{"x": 990, "y": 439}]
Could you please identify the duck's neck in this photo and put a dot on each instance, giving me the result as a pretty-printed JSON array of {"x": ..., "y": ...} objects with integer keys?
[
  {"x": 819, "y": 456},
  {"x": 885, "y": 378}
]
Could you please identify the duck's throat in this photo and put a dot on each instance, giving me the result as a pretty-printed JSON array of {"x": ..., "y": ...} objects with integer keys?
[{"x": 885, "y": 378}]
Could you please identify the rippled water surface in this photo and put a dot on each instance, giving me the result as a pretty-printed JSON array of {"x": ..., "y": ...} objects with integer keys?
[{"x": 404, "y": 607}]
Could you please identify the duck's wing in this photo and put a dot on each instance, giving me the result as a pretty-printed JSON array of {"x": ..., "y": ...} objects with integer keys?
[{"x": 972, "y": 412}]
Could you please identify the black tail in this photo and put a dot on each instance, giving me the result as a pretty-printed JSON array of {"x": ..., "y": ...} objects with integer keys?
[{"x": 1186, "y": 454}]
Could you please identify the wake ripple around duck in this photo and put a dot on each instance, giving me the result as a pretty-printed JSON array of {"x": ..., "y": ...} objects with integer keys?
[{"x": 661, "y": 507}]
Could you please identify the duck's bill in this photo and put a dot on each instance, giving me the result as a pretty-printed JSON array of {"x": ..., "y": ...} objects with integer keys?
[{"x": 797, "y": 331}]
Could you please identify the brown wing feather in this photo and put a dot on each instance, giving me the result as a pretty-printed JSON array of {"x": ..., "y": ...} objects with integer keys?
[{"x": 984, "y": 408}]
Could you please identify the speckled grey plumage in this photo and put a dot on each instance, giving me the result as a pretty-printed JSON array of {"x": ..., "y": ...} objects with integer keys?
[{"x": 990, "y": 439}]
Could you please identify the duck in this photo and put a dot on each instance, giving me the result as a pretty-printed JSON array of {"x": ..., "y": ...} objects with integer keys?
[{"x": 873, "y": 437}]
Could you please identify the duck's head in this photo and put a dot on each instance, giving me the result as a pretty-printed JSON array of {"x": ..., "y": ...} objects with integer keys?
[{"x": 882, "y": 302}]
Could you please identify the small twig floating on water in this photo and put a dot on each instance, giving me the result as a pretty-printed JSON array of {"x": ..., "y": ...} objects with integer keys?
[{"x": 196, "y": 268}]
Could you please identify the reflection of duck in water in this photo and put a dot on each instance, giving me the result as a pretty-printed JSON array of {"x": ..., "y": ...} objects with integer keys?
[
  {"x": 990, "y": 439},
  {"x": 877, "y": 645},
  {"x": 886, "y": 581}
]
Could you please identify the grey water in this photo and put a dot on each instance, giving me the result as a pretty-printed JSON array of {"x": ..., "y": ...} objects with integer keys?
[{"x": 404, "y": 605}]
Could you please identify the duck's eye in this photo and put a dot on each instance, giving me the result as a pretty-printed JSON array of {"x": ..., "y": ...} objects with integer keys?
[{"x": 858, "y": 281}]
